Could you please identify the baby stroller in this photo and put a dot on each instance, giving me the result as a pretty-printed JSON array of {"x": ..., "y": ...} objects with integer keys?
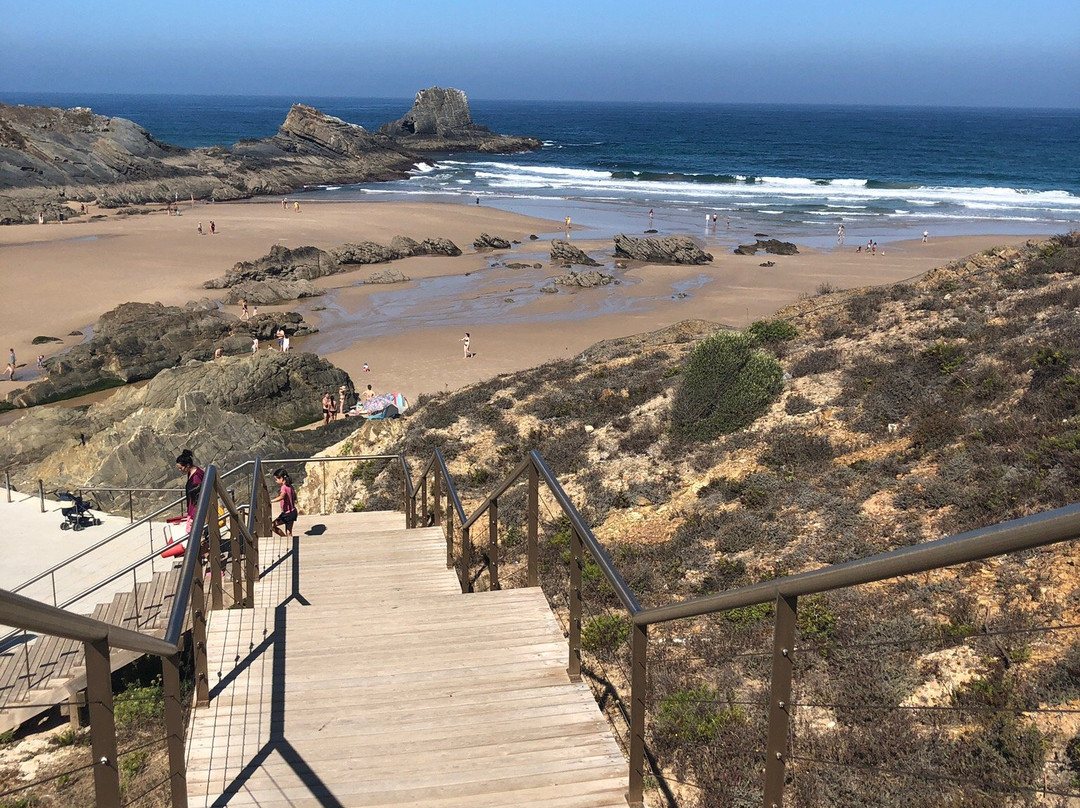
[{"x": 76, "y": 512}]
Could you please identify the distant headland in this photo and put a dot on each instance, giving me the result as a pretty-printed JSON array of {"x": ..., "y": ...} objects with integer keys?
[{"x": 51, "y": 157}]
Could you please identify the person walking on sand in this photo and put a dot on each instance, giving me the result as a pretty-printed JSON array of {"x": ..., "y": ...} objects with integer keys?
[
  {"x": 11, "y": 365},
  {"x": 285, "y": 203},
  {"x": 200, "y": 228},
  {"x": 243, "y": 310},
  {"x": 650, "y": 217},
  {"x": 465, "y": 341},
  {"x": 925, "y": 235},
  {"x": 213, "y": 227},
  {"x": 296, "y": 207}
]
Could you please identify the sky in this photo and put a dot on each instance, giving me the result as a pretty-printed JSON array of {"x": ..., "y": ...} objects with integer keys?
[{"x": 945, "y": 53}]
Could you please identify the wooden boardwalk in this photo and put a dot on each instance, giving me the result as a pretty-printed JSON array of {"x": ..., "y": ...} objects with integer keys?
[{"x": 364, "y": 677}]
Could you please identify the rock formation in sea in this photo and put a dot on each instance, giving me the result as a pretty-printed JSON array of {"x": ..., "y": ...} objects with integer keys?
[
  {"x": 440, "y": 121},
  {"x": 667, "y": 250}
]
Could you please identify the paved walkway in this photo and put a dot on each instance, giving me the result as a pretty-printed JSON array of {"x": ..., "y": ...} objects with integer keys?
[{"x": 365, "y": 677}]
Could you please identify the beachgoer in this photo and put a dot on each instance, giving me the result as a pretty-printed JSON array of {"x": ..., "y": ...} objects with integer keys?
[
  {"x": 327, "y": 405},
  {"x": 367, "y": 368},
  {"x": 925, "y": 235},
  {"x": 650, "y": 217},
  {"x": 567, "y": 222},
  {"x": 193, "y": 480},
  {"x": 285, "y": 203},
  {"x": 715, "y": 218},
  {"x": 11, "y": 365},
  {"x": 281, "y": 339},
  {"x": 477, "y": 200},
  {"x": 287, "y": 518},
  {"x": 255, "y": 312},
  {"x": 219, "y": 352},
  {"x": 333, "y": 407},
  {"x": 213, "y": 227},
  {"x": 254, "y": 344},
  {"x": 285, "y": 345},
  {"x": 466, "y": 339},
  {"x": 707, "y": 218},
  {"x": 243, "y": 310},
  {"x": 296, "y": 207},
  {"x": 368, "y": 394},
  {"x": 342, "y": 392},
  {"x": 41, "y": 361},
  {"x": 200, "y": 228}
]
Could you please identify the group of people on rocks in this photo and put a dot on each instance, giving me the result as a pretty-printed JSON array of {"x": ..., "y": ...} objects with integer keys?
[{"x": 339, "y": 408}]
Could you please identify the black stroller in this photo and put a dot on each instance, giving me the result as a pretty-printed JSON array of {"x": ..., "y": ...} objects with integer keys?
[{"x": 76, "y": 512}]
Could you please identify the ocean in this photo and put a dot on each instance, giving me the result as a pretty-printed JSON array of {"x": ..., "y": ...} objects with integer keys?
[{"x": 795, "y": 172}]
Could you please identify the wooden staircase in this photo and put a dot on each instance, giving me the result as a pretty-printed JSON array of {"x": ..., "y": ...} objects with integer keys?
[
  {"x": 364, "y": 677},
  {"x": 38, "y": 674}
]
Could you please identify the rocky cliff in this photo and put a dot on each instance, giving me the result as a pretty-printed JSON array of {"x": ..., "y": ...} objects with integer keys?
[
  {"x": 51, "y": 157},
  {"x": 440, "y": 121}
]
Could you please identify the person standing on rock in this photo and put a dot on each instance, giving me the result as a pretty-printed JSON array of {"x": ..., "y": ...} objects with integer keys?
[
  {"x": 281, "y": 339},
  {"x": 255, "y": 345},
  {"x": 342, "y": 392}
]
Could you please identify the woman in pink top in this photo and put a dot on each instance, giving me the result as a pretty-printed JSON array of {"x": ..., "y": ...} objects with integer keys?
[{"x": 283, "y": 525}]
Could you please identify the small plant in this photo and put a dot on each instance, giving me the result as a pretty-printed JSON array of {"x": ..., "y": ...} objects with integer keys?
[
  {"x": 71, "y": 737},
  {"x": 604, "y": 634},
  {"x": 133, "y": 764},
  {"x": 826, "y": 288},
  {"x": 748, "y": 615},
  {"x": 948, "y": 355},
  {"x": 770, "y": 331},
  {"x": 797, "y": 404},
  {"x": 7, "y": 738},
  {"x": 139, "y": 703},
  {"x": 694, "y": 716}
]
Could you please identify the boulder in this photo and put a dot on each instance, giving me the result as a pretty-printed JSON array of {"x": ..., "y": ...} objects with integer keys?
[
  {"x": 487, "y": 242},
  {"x": 388, "y": 276},
  {"x": 769, "y": 245},
  {"x": 585, "y": 280},
  {"x": 566, "y": 254},
  {"x": 667, "y": 250},
  {"x": 270, "y": 291},
  {"x": 284, "y": 263},
  {"x": 365, "y": 252},
  {"x": 282, "y": 390}
]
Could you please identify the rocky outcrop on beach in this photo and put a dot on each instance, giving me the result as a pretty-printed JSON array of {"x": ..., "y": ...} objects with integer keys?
[
  {"x": 406, "y": 247},
  {"x": 584, "y": 280},
  {"x": 440, "y": 121},
  {"x": 770, "y": 245},
  {"x": 488, "y": 242},
  {"x": 563, "y": 253},
  {"x": 283, "y": 390},
  {"x": 51, "y": 157},
  {"x": 667, "y": 250},
  {"x": 136, "y": 341},
  {"x": 371, "y": 252}
]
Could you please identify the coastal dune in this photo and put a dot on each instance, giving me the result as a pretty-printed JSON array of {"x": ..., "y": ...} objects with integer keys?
[{"x": 60, "y": 278}]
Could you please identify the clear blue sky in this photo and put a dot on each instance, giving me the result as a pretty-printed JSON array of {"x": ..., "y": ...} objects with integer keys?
[{"x": 950, "y": 52}]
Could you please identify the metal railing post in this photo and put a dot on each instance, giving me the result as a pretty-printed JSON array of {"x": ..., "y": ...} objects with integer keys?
[
  {"x": 7, "y": 484},
  {"x": 102, "y": 724},
  {"x": 533, "y": 566},
  {"x": 779, "y": 701},
  {"x": 639, "y": 668},
  {"x": 41, "y": 494},
  {"x": 216, "y": 599},
  {"x": 131, "y": 508},
  {"x": 573, "y": 669},
  {"x": 493, "y": 544},
  {"x": 235, "y": 548},
  {"x": 174, "y": 729},
  {"x": 466, "y": 561},
  {"x": 198, "y": 635},
  {"x": 322, "y": 468}
]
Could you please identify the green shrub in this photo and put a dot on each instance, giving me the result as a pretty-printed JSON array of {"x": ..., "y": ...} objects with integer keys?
[
  {"x": 694, "y": 716},
  {"x": 132, "y": 765},
  {"x": 765, "y": 332},
  {"x": 727, "y": 385},
  {"x": 604, "y": 634},
  {"x": 139, "y": 703}
]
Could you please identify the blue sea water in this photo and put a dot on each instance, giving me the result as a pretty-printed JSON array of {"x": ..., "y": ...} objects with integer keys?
[{"x": 790, "y": 171}]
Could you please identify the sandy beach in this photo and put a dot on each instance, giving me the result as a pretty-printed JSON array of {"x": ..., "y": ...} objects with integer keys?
[{"x": 59, "y": 279}]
